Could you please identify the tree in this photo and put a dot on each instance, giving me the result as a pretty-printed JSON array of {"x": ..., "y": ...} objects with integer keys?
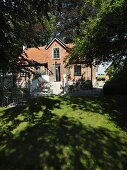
[
  {"x": 22, "y": 22},
  {"x": 117, "y": 83},
  {"x": 104, "y": 35},
  {"x": 67, "y": 19}
]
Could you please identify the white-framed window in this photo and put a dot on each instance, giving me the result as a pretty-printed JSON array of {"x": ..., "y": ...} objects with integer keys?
[
  {"x": 77, "y": 70},
  {"x": 23, "y": 73},
  {"x": 56, "y": 53}
]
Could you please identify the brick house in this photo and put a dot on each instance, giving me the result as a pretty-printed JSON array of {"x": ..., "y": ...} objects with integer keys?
[
  {"x": 54, "y": 55},
  {"x": 46, "y": 64}
]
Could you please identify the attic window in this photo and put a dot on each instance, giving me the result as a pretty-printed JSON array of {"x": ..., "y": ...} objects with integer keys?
[{"x": 56, "y": 53}]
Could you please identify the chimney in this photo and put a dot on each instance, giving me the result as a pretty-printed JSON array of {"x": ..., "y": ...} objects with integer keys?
[{"x": 24, "y": 47}]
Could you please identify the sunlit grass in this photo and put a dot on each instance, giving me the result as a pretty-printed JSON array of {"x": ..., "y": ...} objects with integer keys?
[{"x": 64, "y": 133}]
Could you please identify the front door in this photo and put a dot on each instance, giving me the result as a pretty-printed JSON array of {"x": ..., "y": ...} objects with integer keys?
[{"x": 57, "y": 73}]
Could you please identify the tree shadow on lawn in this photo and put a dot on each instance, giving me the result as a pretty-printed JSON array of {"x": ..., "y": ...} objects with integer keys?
[
  {"x": 36, "y": 104},
  {"x": 28, "y": 112},
  {"x": 55, "y": 142},
  {"x": 114, "y": 106},
  {"x": 61, "y": 143}
]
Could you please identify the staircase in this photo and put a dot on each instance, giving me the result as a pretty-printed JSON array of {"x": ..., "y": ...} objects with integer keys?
[
  {"x": 55, "y": 86},
  {"x": 41, "y": 87}
]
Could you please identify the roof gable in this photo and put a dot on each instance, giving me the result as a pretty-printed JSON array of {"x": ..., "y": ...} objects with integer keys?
[
  {"x": 58, "y": 41},
  {"x": 41, "y": 54}
]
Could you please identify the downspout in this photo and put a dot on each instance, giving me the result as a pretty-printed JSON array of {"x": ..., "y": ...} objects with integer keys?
[
  {"x": 54, "y": 70},
  {"x": 91, "y": 66}
]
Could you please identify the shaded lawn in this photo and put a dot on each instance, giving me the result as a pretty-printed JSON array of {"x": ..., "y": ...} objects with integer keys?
[{"x": 65, "y": 133}]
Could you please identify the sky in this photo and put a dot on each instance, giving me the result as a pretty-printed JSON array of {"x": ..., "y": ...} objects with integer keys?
[{"x": 102, "y": 67}]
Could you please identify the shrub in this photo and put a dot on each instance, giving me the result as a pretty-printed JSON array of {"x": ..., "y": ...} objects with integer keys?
[
  {"x": 117, "y": 84},
  {"x": 114, "y": 88}
]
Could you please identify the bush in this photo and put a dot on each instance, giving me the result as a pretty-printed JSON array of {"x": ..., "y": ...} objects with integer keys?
[
  {"x": 117, "y": 84},
  {"x": 114, "y": 88},
  {"x": 86, "y": 85}
]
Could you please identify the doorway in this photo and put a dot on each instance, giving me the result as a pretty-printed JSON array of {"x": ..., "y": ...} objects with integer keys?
[{"x": 57, "y": 73}]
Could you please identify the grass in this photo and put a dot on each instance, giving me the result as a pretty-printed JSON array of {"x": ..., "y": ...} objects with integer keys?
[{"x": 65, "y": 133}]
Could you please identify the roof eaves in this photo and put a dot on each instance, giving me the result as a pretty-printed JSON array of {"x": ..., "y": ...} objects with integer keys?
[{"x": 58, "y": 40}]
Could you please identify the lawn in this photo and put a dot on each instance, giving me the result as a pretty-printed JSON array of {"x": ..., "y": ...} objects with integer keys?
[{"x": 65, "y": 133}]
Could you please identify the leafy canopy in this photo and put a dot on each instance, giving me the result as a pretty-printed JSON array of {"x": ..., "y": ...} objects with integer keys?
[
  {"x": 104, "y": 35},
  {"x": 22, "y": 22}
]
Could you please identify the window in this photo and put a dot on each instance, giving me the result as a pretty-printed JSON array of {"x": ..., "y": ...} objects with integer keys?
[
  {"x": 77, "y": 70},
  {"x": 56, "y": 53},
  {"x": 23, "y": 73},
  {"x": 68, "y": 71},
  {"x": 37, "y": 69}
]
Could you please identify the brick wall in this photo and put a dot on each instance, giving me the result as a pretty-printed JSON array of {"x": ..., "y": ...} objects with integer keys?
[
  {"x": 45, "y": 55},
  {"x": 85, "y": 71},
  {"x": 53, "y": 62}
]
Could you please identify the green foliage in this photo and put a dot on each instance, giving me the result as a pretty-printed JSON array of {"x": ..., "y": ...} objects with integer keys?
[
  {"x": 117, "y": 84},
  {"x": 67, "y": 19},
  {"x": 104, "y": 35},
  {"x": 22, "y": 22},
  {"x": 71, "y": 16},
  {"x": 111, "y": 71},
  {"x": 37, "y": 75},
  {"x": 101, "y": 77}
]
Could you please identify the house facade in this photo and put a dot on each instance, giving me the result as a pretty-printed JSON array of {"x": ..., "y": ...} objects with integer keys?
[
  {"x": 43, "y": 69},
  {"x": 52, "y": 66}
]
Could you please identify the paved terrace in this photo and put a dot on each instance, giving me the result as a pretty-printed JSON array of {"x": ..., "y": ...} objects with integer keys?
[{"x": 79, "y": 92}]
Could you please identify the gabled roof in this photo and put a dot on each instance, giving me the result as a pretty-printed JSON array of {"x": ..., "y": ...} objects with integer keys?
[
  {"x": 40, "y": 54},
  {"x": 59, "y": 41}
]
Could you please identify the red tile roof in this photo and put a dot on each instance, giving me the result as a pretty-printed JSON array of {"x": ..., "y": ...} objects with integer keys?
[
  {"x": 39, "y": 54},
  {"x": 35, "y": 54}
]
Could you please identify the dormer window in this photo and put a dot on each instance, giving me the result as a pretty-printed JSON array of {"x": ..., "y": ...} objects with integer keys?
[{"x": 56, "y": 53}]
